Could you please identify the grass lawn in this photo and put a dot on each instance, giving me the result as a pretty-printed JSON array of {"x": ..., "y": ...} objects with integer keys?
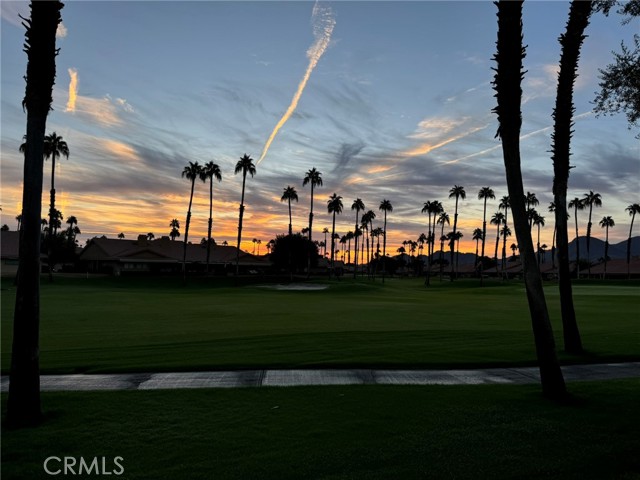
[
  {"x": 119, "y": 324},
  {"x": 354, "y": 432}
]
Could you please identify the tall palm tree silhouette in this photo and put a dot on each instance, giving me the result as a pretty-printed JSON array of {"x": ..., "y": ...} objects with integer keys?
[
  {"x": 23, "y": 403},
  {"x": 365, "y": 221},
  {"x": 590, "y": 200},
  {"x": 244, "y": 165},
  {"x": 505, "y": 204},
  {"x": 485, "y": 193},
  {"x": 325, "y": 230},
  {"x": 385, "y": 206},
  {"x": 571, "y": 42},
  {"x": 443, "y": 217},
  {"x": 497, "y": 219},
  {"x": 358, "y": 206},
  {"x": 632, "y": 209},
  {"x": 210, "y": 171},
  {"x": 334, "y": 206},
  {"x": 531, "y": 201},
  {"x": 477, "y": 236},
  {"x": 606, "y": 223},
  {"x": 577, "y": 204},
  {"x": 458, "y": 192},
  {"x": 288, "y": 195},
  {"x": 508, "y": 86},
  {"x": 191, "y": 172},
  {"x": 313, "y": 178},
  {"x": 538, "y": 221}
]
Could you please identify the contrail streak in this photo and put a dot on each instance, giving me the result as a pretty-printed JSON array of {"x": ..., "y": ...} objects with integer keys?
[
  {"x": 323, "y": 23},
  {"x": 73, "y": 90}
]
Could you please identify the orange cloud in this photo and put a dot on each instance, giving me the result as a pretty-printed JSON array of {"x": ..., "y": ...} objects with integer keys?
[{"x": 73, "y": 90}]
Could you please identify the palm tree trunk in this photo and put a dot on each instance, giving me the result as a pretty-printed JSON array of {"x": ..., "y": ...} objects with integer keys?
[
  {"x": 495, "y": 255},
  {"x": 310, "y": 227},
  {"x": 484, "y": 236},
  {"x": 52, "y": 209},
  {"x": 441, "y": 251},
  {"x": 538, "y": 246},
  {"x": 290, "y": 227},
  {"x": 452, "y": 243},
  {"x": 355, "y": 247},
  {"x": 210, "y": 221},
  {"x": 577, "y": 245},
  {"x": 553, "y": 247},
  {"x": 384, "y": 247},
  {"x": 509, "y": 94},
  {"x": 427, "y": 279},
  {"x": 186, "y": 233},
  {"x": 504, "y": 242},
  {"x": 633, "y": 216},
  {"x": 606, "y": 251},
  {"x": 23, "y": 403},
  {"x": 588, "y": 242},
  {"x": 244, "y": 178},
  {"x": 333, "y": 231},
  {"x": 571, "y": 42}
]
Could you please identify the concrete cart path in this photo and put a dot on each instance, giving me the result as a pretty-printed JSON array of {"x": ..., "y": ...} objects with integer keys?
[{"x": 294, "y": 378}]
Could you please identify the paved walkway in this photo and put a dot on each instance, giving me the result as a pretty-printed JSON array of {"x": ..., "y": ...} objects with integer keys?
[{"x": 294, "y": 378}]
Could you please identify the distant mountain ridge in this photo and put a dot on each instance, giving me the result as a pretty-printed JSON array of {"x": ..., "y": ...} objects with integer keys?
[{"x": 617, "y": 251}]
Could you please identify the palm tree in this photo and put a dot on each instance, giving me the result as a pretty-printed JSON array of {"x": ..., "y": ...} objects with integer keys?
[
  {"x": 71, "y": 231},
  {"x": 505, "y": 232},
  {"x": 191, "y": 172},
  {"x": 19, "y": 219},
  {"x": 288, "y": 195},
  {"x": 571, "y": 42},
  {"x": 591, "y": 200},
  {"x": 443, "y": 217},
  {"x": 150, "y": 236},
  {"x": 477, "y": 236},
  {"x": 334, "y": 206},
  {"x": 632, "y": 209},
  {"x": 313, "y": 178},
  {"x": 538, "y": 221},
  {"x": 210, "y": 171},
  {"x": 505, "y": 204},
  {"x": 513, "y": 248},
  {"x": 175, "y": 226},
  {"x": 552, "y": 209},
  {"x": 325, "y": 230},
  {"x": 532, "y": 201},
  {"x": 508, "y": 86},
  {"x": 497, "y": 219},
  {"x": 457, "y": 192},
  {"x": 428, "y": 209},
  {"x": 121, "y": 236},
  {"x": 23, "y": 403},
  {"x": 576, "y": 204},
  {"x": 244, "y": 165},
  {"x": 43, "y": 224},
  {"x": 458, "y": 235},
  {"x": 350, "y": 236},
  {"x": 54, "y": 146},
  {"x": 358, "y": 206},
  {"x": 385, "y": 206},
  {"x": 606, "y": 223},
  {"x": 367, "y": 221},
  {"x": 485, "y": 193}
]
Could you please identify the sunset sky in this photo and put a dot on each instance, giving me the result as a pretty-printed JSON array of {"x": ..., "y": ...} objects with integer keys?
[{"x": 388, "y": 100}]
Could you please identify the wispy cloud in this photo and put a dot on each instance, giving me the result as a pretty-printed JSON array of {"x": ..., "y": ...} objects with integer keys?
[
  {"x": 323, "y": 24},
  {"x": 73, "y": 90}
]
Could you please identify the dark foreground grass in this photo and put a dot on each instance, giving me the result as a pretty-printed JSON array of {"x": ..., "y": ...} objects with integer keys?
[
  {"x": 116, "y": 325},
  {"x": 354, "y": 432}
]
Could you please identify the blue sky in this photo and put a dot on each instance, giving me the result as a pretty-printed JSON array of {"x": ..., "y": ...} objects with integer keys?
[{"x": 397, "y": 107}]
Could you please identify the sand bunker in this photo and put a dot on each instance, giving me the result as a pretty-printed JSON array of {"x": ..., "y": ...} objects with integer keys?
[{"x": 297, "y": 286}]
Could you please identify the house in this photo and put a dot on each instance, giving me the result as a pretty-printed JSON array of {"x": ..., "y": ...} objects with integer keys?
[
  {"x": 9, "y": 248},
  {"x": 162, "y": 256}
]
